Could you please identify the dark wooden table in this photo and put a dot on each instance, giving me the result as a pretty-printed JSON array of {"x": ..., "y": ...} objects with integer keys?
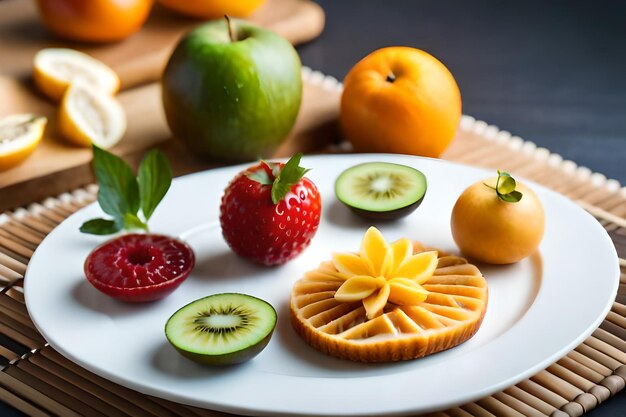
[
  {"x": 553, "y": 72},
  {"x": 550, "y": 71}
]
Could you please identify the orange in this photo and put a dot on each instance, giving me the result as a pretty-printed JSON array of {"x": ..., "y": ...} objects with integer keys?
[
  {"x": 494, "y": 231},
  {"x": 400, "y": 100},
  {"x": 94, "y": 20},
  {"x": 213, "y": 9}
]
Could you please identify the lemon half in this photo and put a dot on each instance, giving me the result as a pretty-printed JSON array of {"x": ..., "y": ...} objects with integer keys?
[
  {"x": 90, "y": 116},
  {"x": 56, "y": 68},
  {"x": 19, "y": 136}
]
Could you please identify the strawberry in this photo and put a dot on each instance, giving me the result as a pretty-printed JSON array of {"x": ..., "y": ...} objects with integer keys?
[{"x": 270, "y": 212}]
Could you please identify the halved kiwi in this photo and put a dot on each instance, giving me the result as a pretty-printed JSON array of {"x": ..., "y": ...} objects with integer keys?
[
  {"x": 222, "y": 329},
  {"x": 381, "y": 190}
]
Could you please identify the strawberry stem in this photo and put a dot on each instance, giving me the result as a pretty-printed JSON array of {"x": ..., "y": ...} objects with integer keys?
[{"x": 289, "y": 175}]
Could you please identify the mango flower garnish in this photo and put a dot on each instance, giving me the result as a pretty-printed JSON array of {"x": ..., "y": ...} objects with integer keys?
[{"x": 383, "y": 272}]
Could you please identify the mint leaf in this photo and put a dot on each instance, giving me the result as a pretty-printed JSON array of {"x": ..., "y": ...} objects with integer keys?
[
  {"x": 101, "y": 227},
  {"x": 132, "y": 222},
  {"x": 154, "y": 178},
  {"x": 121, "y": 195},
  {"x": 118, "y": 191},
  {"x": 288, "y": 176}
]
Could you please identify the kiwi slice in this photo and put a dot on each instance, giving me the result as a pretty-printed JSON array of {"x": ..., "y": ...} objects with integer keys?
[
  {"x": 381, "y": 190},
  {"x": 222, "y": 329}
]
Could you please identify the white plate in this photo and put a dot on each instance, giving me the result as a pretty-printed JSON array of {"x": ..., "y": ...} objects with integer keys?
[{"x": 539, "y": 309}]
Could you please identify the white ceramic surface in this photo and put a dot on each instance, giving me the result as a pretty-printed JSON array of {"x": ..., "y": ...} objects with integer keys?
[{"x": 539, "y": 309}]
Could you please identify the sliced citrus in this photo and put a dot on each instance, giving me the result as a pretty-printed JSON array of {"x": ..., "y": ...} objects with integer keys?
[
  {"x": 19, "y": 136},
  {"x": 56, "y": 68},
  {"x": 89, "y": 116}
]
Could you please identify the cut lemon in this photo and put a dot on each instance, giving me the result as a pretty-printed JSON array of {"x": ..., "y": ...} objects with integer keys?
[
  {"x": 89, "y": 116},
  {"x": 19, "y": 136},
  {"x": 56, "y": 68}
]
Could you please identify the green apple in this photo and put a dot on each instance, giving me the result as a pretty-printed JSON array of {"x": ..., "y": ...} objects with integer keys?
[{"x": 232, "y": 90}]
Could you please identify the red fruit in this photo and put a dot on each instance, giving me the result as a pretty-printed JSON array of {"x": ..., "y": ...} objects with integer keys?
[
  {"x": 139, "y": 267},
  {"x": 270, "y": 220}
]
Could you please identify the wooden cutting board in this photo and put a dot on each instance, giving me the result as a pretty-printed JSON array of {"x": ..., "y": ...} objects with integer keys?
[
  {"x": 56, "y": 166},
  {"x": 140, "y": 58}
]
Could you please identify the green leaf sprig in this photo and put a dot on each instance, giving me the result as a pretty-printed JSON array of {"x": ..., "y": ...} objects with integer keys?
[
  {"x": 505, "y": 188},
  {"x": 281, "y": 179},
  {"x": 129, "y": 200},
  {"x": 289, "y": 175}
]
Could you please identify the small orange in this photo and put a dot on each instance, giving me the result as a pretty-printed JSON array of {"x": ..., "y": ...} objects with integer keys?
[
  {"x": 400, "y": 100},
  {"x": 213, "y": 9},
  {"x": 94, "y": 20},
  {"x": 489, "y": 229}
]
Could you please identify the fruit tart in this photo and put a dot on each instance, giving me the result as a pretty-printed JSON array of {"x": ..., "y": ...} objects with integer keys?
[{"x": 389, "y": 302}]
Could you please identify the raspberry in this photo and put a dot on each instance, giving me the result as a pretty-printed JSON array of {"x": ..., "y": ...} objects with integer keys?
[{"x": 139, "y": 267}]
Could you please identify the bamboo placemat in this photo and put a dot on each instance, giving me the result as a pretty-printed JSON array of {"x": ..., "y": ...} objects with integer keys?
[{"x": 37, "y": 380}]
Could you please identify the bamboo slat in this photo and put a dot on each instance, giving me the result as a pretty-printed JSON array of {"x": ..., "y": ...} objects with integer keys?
[
  {"x": 498, "y": 408},
  {"x": 580, "y": 370},
  {"x": 518, "y": 405},
  {"x": 458, "y": 412},
  {"x": 148, "y": 406},
  {"x": 27, "y": 387},
  {"x": 532, "y": 401}
]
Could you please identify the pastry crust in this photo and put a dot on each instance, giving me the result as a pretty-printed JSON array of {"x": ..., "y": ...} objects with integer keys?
[{"x": 451, "y": 314}]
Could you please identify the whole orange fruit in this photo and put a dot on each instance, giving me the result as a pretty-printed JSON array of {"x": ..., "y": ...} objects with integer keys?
[
  {"x": 491, "y": 230},
  {"x": 213, "y": 9},
  {"x": 400, "y": 100},
  {"x": 94, "y": 20}
]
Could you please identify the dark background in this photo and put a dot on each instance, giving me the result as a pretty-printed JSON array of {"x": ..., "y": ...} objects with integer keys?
[{"x": 553, "y": 72}]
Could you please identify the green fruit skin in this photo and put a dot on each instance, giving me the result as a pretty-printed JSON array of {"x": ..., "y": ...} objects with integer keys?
[
  {"x": 232, "y": 358},
  {"x": 232, "y": 101}
]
